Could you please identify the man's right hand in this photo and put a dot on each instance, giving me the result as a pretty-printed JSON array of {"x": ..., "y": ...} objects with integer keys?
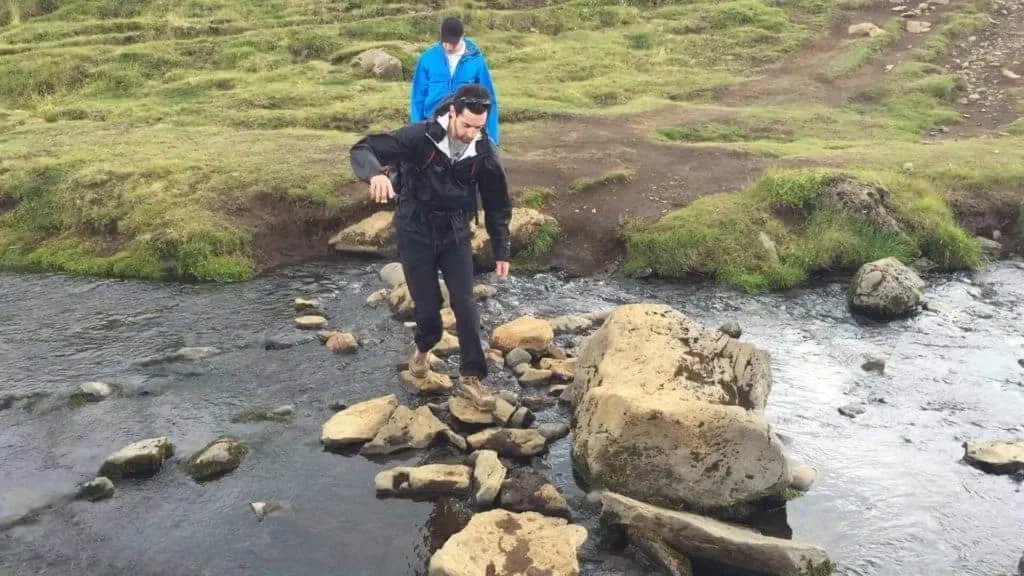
[{"x": 381, "y": 189}]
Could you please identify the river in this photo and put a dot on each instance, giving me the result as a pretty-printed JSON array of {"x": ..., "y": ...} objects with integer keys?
[{"x": 892, "y": 496}]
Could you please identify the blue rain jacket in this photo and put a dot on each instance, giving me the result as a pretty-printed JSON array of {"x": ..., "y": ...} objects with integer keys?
[{"x": 432, "y": 83}]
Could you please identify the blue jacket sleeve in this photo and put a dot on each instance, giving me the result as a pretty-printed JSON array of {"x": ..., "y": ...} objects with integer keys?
[
  {"x": 418, "y": 93},
  {"x": 484, "y": 78}
]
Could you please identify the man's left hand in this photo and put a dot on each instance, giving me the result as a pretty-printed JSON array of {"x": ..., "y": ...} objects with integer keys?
[{"x": 501, "y": 269}]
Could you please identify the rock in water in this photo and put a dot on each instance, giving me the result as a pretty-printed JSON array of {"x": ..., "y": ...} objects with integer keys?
[
  {"x": 423, "y": 481},
  {"x": 483, "y": 292},
  {"x": 407, "y": 428},
  {"x": 358, "y": 423},
  {"x": 488, "y": 474},
  {"x": 731, "y": 329},
  {"x": 504, "y": 543},
  {"x": 571, "y": 324},
  {"x": 873, "y": 364},
  {"x": 307, "y": 305},
  {"x": 885, "y": 289},
  {"x": 529, "y": 333},
  {"x": 216, "y": 459},
  {"x": 466, "y": 412},
  {"x": 138, "y": 460},
  {"x": 392, "y": 274},
  {"x": 97, "y": 489},
  {"x": 513, "y": 442},
  {"x": 667, "y": 411},
  {"x": 702, "y": 537},
  {"x": 377, "y": 297},
  {"x": 992, "y": 249},
  {"x": 517, "y": 356},
  {"x": 802, "y": 478},
  {"x": 526, "y": 490},
  {"x": 535, "y": 377},
  {"x": 552, "y": 431},
  {"x": 93, "y": 391},
  {"x": 564, "y": 370},
  {"x": 996, "y": 457},
  {"x": 341, "y": 343},
  {"x": 654, "y": 547},
  {"x": 310, "y": 322}
]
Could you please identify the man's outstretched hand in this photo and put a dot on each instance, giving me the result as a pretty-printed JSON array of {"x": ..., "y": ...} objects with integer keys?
[
  {"x": 381, "y": 189},
  {"x": 501, "y": 269}
]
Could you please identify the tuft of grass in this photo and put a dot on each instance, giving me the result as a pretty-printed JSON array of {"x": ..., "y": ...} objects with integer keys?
[
  {"x": 791, "y": 225},
  {"x": 966, "y": 21},
  {"x": 536, "y": 197},
  {"x": 864, "y": 51},
  {"x": 532, "y": 256},
  {"x": 612, "y": 178}
]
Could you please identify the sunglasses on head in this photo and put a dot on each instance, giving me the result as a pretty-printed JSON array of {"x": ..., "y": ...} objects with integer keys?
[{"x": 475, "y": 105}]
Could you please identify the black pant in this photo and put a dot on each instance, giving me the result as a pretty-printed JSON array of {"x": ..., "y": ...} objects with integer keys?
[{"x": 428, "y": 242}]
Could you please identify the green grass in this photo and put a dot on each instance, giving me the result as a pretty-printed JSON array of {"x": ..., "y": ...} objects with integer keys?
[
  {"x": 141, "y": 137},
  {"x": 720, "y": 235},
  {"x": 611, "y": 178},
  {"x": 535, "y": 198}
]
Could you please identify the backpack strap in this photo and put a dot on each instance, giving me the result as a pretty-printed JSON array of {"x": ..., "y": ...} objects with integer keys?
[{"x": 430, "y": 158}]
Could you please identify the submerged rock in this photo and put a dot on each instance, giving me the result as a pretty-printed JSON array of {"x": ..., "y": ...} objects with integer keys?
[
  {"x": 731, "y": 329},
  {"x": 669, "y": 412},
  {"x": 138, "y": 459},
  {"x": 483, "y": 292},
  {"x": 996, "y": 457},
  {"x": 488, "y": 474},
  {"x": 526, "y": 490},
  {"x": 358, "y": 423},
  {"x": 96, "y": 489},
  {"x": 92, "y": 392},
  {"x": 499, "y": 542},
  {"x": 264, "y": 509},
  {"x": 571, "y": 324},
  {"x": 802, "y": 477},
  {"x": 216, "y": 459},
  {"x": 852, "y": 410},
  {"x": 874, "y": 364},
  {"x": 885, "y": 289},
  {"x": 423, "y": 481},
  {"x": 405, "y": 429},
  {"x": 529, "y": 333},
  {"x": 702, "y": 537},
  {"x": 514, "y": 442}
]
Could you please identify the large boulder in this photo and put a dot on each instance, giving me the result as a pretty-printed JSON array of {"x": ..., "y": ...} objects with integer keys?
[
  {"x": 508, "y": 544},
  {"x": 670, "y": 413},
  {"x": 372, "y": 235},
  {"x": 885, "y": 289},
  {"x": 377, "y": 63},
  {"x": 702, "y": 537}
]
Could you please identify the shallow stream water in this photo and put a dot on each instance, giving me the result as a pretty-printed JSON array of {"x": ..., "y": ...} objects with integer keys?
[{"x": 892, "y": 496}]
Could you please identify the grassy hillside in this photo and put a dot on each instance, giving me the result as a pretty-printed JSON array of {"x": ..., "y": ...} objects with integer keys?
[
  {"x": 130, "y": 126},
  {"x": 150, "y": 138}
]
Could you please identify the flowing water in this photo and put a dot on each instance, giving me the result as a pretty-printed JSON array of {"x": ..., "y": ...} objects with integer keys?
[{"x": 892, "y": 496}]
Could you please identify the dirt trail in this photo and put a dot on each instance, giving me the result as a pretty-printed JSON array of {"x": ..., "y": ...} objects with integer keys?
[{"x": 667, "y": 176}]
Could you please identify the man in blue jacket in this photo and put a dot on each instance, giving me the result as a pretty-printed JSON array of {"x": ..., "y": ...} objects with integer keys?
[{"x": 444, "y": 67}]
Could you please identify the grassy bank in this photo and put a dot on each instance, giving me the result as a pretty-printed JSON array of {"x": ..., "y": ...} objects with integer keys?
[
  {"x": 876, "y": 140},
  {"x": 790, "y": 225},
  {"x": 137, "y": 136}
]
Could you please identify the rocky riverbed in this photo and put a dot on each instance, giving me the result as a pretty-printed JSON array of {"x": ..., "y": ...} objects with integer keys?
[{"x": 232, "y": 397}]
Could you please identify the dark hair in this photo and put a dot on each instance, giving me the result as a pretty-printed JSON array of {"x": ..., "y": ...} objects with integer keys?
[
  {"x": 472, "y": 96},
  {"x": 452, "y": 30}
]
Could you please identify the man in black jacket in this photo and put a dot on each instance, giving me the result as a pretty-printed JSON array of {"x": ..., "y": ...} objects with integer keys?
[{"x": 443, "y": 163}]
